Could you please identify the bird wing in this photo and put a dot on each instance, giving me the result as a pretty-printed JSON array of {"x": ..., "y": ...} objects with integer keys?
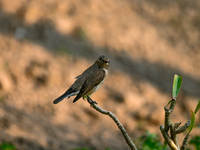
[
  {"x": 90, "y": 83},
  {"x": 77, "y": 76}
]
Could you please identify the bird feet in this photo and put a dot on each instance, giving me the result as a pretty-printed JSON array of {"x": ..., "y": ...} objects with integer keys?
[{"x": 91, "y": 101}]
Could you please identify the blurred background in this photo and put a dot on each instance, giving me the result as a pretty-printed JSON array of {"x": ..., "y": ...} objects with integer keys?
[{"x": 45, "y": 44}]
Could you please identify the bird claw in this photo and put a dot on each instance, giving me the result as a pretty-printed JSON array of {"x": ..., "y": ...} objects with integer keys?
[{"x": 92, "y": 102}]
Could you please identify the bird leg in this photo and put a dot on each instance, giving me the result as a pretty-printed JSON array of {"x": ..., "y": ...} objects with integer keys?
[{"x": 92, "y": 102}]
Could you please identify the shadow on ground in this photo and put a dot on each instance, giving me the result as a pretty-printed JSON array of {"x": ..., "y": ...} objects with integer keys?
[{"x": 43, "y": 33}]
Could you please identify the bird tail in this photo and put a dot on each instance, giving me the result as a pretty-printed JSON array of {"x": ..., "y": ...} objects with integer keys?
[{"x": 59, "y": 99}]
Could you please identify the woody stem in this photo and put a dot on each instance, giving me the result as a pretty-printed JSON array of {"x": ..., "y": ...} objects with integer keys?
[{"x": 115, "y": 119}]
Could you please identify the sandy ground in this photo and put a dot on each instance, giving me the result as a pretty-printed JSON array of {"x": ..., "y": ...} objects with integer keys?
[{"x": 45, "y": 44}]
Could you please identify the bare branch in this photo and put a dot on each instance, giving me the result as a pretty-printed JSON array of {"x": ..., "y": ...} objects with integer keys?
[
  {"x": 173, "y": 135},
  {"x": 169, "y": 141},
  {"x": 184, "y": 144},
  {"x": 120, "y": 126},
  {"x": 183, "y": 128},
  {"x": 174, "y": 129}
]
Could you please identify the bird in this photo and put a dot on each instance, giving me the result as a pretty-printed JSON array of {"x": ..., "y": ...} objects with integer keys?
[{"x": 88, "y": 82}]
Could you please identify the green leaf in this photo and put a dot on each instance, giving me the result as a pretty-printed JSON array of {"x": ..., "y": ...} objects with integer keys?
[
  {"x": 176, "y": 85},
  {"x": 7, "y": 146},
  {"x": 192, "y": 121},
  {"x": 197, "y": 108},
  {"x": 169, "y": 102}
]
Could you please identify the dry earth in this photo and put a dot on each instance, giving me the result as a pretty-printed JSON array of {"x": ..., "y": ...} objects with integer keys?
[{"x": 45, "y": 44}]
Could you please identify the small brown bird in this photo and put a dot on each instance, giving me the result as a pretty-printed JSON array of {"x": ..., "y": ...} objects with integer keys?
[{"x": 89, "y": 81}]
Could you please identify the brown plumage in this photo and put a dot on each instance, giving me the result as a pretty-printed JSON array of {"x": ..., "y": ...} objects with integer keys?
[{"x": 89, "y": 81}]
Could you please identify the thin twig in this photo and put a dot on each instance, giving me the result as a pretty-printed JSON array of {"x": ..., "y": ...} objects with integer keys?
[
  {"x": 183, "y": 128},
  {"x": 120, "y": 126},
  {"x": 169, "y": 141},
  {"x": 184, "y": 144},
  {"x": 172, "y": 142},
  {"x": 167, "y": 114},
  {"x": 174, "y": 129},
  {"x": 173, "y": 135}
]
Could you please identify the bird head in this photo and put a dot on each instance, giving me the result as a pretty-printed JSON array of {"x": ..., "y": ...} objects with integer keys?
[{"x": 103, "y": 62}]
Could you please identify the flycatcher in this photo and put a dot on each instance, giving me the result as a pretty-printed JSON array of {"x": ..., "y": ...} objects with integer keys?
[{"x": 89, "y": 81}]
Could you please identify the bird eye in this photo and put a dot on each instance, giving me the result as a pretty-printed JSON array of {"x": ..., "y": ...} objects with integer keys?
[{"x": 100, "y": 58}]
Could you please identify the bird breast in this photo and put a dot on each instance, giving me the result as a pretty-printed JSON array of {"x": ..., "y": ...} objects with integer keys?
[{"x": 100, "y": 84}]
